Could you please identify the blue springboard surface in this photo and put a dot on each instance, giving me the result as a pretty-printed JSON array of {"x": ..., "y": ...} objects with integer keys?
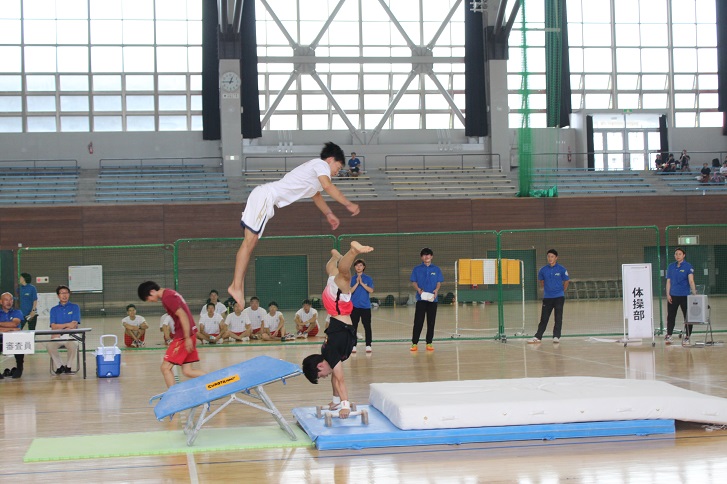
[
  {"x": 352, "y": 434},
  {"x": 260, "y": 370}
]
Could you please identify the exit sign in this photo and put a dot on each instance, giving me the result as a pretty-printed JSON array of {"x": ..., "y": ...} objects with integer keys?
[{"x": 688, "y": 240}]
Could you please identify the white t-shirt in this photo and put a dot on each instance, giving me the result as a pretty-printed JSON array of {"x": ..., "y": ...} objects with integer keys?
[
  {"x": 305, "y": 317},
  {"x": 134, "y": 322},
  {"x": 255, "y": 317},
  {"x": 236, "y": 323},
  {"x": 273, "y": 323},
  {"x": 723, "y": 170},
  {"x": 167, "y": 320},
  {"x": 219, "y": 309},
  {"x": 211, "y": 324},
  {"x": 301, "y": 182}
]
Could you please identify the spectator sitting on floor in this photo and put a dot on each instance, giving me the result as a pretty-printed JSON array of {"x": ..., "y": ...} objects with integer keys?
[
  {"x": 273, "y": 323},
  {"x": 209, "y": 326},
  {"x": 166, "y": 326},
  {"x": 134, "y": 326}
]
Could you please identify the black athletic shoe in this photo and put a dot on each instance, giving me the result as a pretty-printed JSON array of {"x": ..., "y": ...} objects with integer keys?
[
  {"x": 60, "y": 370},
  {"x": 16, "y": 373},
  {"x": 6, "y": 372},
  {"x": 1, "y": 376},
  {"x": 66, "y": 369}
]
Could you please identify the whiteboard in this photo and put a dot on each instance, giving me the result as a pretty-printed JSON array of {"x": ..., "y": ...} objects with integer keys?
[
  {"x": 637, "y": 300},
  {"x": 85, "y": 278}
]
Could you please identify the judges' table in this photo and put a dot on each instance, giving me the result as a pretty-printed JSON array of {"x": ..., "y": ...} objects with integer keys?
[{"x": 78, "y": 334}]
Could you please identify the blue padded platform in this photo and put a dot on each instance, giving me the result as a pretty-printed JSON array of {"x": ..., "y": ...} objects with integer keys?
[{"x": 380, "y": 432}]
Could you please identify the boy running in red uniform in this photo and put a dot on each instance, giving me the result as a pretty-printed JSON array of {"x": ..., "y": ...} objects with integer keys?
[{"x": 183, "y": 348}]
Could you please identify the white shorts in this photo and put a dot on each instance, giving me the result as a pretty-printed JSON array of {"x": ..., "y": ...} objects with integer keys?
[{"x": 258, "y": 210}]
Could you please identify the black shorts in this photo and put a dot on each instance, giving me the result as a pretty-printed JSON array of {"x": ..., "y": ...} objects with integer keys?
[{"x": 340, "y": 339}]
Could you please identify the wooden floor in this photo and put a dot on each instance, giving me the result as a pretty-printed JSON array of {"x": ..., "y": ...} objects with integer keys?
[{"x": 41, "y": 405}]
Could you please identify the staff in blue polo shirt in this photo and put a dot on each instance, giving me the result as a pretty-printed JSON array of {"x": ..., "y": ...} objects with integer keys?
[
  {"x": 554, "y": 280},
  {"x": 10, "y": 320},
  {"x": 426, "y": 279},
  {"x": 679, "y": 283},
  {"x": 361, "y": 286},
  {"x": 28, "y": 301},
  {"x": 64, "y": 316}
]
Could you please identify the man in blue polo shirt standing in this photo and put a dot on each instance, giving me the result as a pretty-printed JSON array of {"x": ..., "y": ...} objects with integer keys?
[
  {"x": 10, "y": 320},
  {"x": 64, "y": 316},
  {"x": 679, "y": 283},
  {"x": 426, "y": 279},
  {"x": 554, "y": 280}
]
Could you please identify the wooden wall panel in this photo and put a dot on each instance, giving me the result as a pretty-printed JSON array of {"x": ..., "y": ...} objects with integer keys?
[
  {"x": 706, "y": 210},
  {"x": 41, "y": 227},
  {"x": 434, "y": 215},
  {"x": 376, "y": 217},
  {"x": 200, "y": 221},
  {"x": 580, "y": 212},
  {"x": 510, "y": 213},
  {"x": 122, "y": 225},
  {"x": 149, "y": 224},
  {"x": 659, "y": 211}
]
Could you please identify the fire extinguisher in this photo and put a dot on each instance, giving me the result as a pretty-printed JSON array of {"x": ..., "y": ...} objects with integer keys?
[
  {"x": 90, "y": 148},
  {"x": 570, "y": 155}
]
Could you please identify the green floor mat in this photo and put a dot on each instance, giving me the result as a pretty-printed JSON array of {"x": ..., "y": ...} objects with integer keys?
[{"x": 166, "y": 442}]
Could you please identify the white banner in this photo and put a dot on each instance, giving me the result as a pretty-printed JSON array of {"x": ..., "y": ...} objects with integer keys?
[
  {"x": 19, "y": 343},
  {"x": 638, "y": 304}
]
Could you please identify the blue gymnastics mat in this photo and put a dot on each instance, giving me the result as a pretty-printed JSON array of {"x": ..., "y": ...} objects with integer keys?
[{"x": 380, "y": 432}]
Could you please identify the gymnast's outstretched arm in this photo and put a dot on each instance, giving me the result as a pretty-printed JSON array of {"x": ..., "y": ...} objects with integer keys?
[{"x": 339, "y": 388}]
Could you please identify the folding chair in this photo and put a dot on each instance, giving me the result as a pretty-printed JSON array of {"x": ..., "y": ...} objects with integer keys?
[{"x": 78, "y": 358}]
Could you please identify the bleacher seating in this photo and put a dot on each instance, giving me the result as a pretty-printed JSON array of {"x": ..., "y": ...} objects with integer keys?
[
  {"x": 359, "y": 188},
  {"x": 149, "y": 183},
  {"x": 687, "y": 182},
  {"x": 448, "y": 182},
  {"x": 39, "y": 182},
  {"x": 576, "y": 181}
]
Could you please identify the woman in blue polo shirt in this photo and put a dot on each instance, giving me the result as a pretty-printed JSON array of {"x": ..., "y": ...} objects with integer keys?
[
  {"x": 361, "y": 287},
  {"x": 679, "y": 283},
  {"x": 28, "y": 301}
]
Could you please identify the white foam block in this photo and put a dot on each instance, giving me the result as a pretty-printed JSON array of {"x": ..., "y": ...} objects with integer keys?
[{"x": 491, "y": 403}]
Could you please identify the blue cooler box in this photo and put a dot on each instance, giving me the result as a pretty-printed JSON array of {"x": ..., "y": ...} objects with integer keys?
[{"x": 108, "y": 358}]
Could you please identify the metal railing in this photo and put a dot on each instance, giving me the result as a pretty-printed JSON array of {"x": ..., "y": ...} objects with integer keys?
[
  {"x": 259, "y": 163},
  {"x": 159, "y": 162},
  {"x": 443, "y": 160}
]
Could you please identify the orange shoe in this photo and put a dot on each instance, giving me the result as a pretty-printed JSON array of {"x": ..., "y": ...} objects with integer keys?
[
  {"x": 414, "y": 348},
  {"x": 430, "y": 347}
]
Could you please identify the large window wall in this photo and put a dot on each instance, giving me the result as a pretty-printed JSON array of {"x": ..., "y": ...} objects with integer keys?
[
  {"x": 100, "y": 65},
  {"x": 364, "y": 54},
  {"x": 627, "y": 55}
]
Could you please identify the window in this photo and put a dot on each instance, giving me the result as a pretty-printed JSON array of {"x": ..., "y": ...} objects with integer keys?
[{"x": 96, "y": 65}]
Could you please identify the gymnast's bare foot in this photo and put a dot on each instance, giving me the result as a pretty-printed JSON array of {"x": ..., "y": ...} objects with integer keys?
[
  {"x": 237, "y": 294},
  {"x": 360, "y": 249},
  {"x": 335, "y": 254}
]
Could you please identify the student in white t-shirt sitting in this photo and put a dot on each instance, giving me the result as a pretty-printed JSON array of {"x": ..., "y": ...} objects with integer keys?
[
  {"x": 306, "y": 321},
  {"x": 166, "y": 326},
  {"x": 134, "y": 328},
  {"x": 273, "y": 323},
  {"x": 214, "y": 298},
  {"x": 209, "y": 326},
  {"x": 255, "y": 315},
  {"x": 236, "y": 326}
]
